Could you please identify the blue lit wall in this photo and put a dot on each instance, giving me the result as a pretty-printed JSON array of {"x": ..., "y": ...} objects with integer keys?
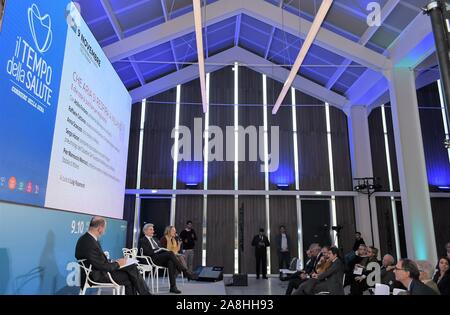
[
  {"x": 190, "y": 172},
  {"x": 433, "y": 134},
  {"x": 37, "y": 248}
]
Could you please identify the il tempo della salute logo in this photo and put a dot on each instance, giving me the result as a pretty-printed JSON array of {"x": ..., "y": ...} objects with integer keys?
[{"x": 40, "y": 28}]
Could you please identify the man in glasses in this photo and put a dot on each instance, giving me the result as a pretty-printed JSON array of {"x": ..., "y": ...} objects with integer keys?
[{"x": 407, "y": 272}]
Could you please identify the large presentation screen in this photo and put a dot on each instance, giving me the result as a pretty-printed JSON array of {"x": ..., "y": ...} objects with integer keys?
[{"x": 64, "y": 112}]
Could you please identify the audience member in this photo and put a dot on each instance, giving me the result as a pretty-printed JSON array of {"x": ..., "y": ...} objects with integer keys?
[
  {"x": 188, "y": 237},
  {"x": 407, "y": 272},
  {"x": 442, "y": 276},
  {"x": 89, "y": 248},
  {"x": 387, "y": 275},
  {"x": 359, "y": 258},
  {"x": 359, "y": 284},
  {"x": 426, "y": 274},
  {"x": 329, "y": 280},
  {"x": 300, "y": 276},
  {"x": 162, "y": 257},
  {"x": 358, "y": 241}
]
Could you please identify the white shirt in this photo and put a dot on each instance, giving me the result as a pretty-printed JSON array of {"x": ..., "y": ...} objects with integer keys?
[
  {"x": 150, "y": 239},
  {"x": 284, "y": 246}
]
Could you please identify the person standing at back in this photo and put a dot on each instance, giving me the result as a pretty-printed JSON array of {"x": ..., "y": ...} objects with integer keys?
[
  {"x": 260, "y": 242},
  {"x": 188, "y": 238},
  {"x": 283, "y": 249}
]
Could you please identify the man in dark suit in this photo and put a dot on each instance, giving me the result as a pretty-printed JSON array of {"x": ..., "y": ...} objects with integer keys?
[
  {"x": 295, "y": 280},
  {"x": 162, "y": 257},
  {"x": 283, "y": 249},
  {"x": 407, "y": 272},
  {"x": 331, "y": 279},
  {"x": 387, "y": 275},
  {"x": 89, "y": 248},
  {"x": 261, "y": 242}
]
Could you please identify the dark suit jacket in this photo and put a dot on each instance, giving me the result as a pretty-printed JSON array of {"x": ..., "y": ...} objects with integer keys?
[
  {"x": 444, "y": 284},
  {"x": 147, "y": 249},
  {"x": 309, "y": 267},
  {"x": 255, "y": 242},
  {"x": 88, "y": 248},
  {"x": 417, "y": 287},
  {"x": 333, "y": 277},
  {"x": 278, "y": 239}
]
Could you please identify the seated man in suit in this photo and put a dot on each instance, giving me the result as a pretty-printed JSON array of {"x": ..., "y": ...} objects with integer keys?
[
  {"x": 89, "y": 248},
  {"x": 387, "y": 275},
  {"x": 162, "y": 257},
  {"x": 330, "y": 280},
  {"x": 407, "y": 272},
  {"x": 296, "y": 279}
]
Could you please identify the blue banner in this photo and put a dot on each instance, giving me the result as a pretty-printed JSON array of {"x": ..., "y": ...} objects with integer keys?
[
  {"x": 37, "y": 248},
  {"x": 32, "y": 42}
]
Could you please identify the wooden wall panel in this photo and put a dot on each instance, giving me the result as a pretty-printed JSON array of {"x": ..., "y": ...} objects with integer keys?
[
  {"x": 191, "y": 208},
  {"x": 385, "y": 226},
  {"x": 221, "y": 173},
  {"x": 283, "y": 211},
  {"x": 378, "y": 148},
  {"x": 157, "y": 162},
  {"x": 250, "y": 93},
  {"x": 254, "y": 218},
  {"x": 128, "y": 215},
  {"x": 392, "y": 150},
  {"x": 314, "y": 172},
  {"x": 190, "y": 109},
  {"x": 345, "y": 213},
  {"x": 250, "y": 175},
  {"x": 220, "y": 232},
  {"x": 285, "y": 173},
  {"x": 133, "y": 146},
  {"x": 341, "y": 151}
]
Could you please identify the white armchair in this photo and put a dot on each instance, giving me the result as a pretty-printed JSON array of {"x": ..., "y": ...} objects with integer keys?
[
  {"x": 155, "y": 272},
  {"x": 90, "y": 284}
]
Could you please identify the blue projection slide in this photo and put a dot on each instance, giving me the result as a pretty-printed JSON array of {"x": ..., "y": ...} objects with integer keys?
[
  {"x": 32, "y": 44},
  {"x": 64, "y": 139}
]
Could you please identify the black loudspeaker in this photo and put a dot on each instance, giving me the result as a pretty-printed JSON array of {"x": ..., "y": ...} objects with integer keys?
[
  {"x": 210, "y": 274},
  {"x": 240, "y": 280}
]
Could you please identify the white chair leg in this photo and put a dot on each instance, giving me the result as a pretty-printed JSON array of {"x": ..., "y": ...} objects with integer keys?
[
  {"x": 168, "y": 279},
  {"x": 164, "y": 275},
  {"x": 157, "y": 280}
]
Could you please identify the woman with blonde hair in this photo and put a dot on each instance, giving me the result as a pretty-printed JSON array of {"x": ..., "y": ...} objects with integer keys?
[{"x": 171, "y": 241}]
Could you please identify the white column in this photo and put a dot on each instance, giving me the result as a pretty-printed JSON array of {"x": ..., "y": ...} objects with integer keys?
[
  {"x": 361, "y": 157},
  {"x": 416, "y": 205}
]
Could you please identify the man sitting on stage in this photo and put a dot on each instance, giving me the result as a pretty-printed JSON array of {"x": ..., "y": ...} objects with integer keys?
[
  {"x": 162, "y": 257},
  {"x": 89, "y": 248}
]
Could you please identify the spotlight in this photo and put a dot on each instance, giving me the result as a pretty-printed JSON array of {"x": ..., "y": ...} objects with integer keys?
[
  {"x": 191, "y": 185},
  {"x": 283, "y": 186},
  {"x": 444, "y": 188}
]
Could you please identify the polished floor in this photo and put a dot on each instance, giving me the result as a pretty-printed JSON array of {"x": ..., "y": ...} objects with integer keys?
[{"x": 270, "y": 286}]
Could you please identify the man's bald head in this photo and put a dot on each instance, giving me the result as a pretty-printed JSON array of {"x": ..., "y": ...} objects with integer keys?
[
  {"x": 97, "y": 226},
  {"x": 388, "y": 260}
]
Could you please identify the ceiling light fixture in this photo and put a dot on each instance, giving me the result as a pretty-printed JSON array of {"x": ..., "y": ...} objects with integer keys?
[
  {"x": 201, "y": 58},
  {"x": 315, "y": 27}
]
